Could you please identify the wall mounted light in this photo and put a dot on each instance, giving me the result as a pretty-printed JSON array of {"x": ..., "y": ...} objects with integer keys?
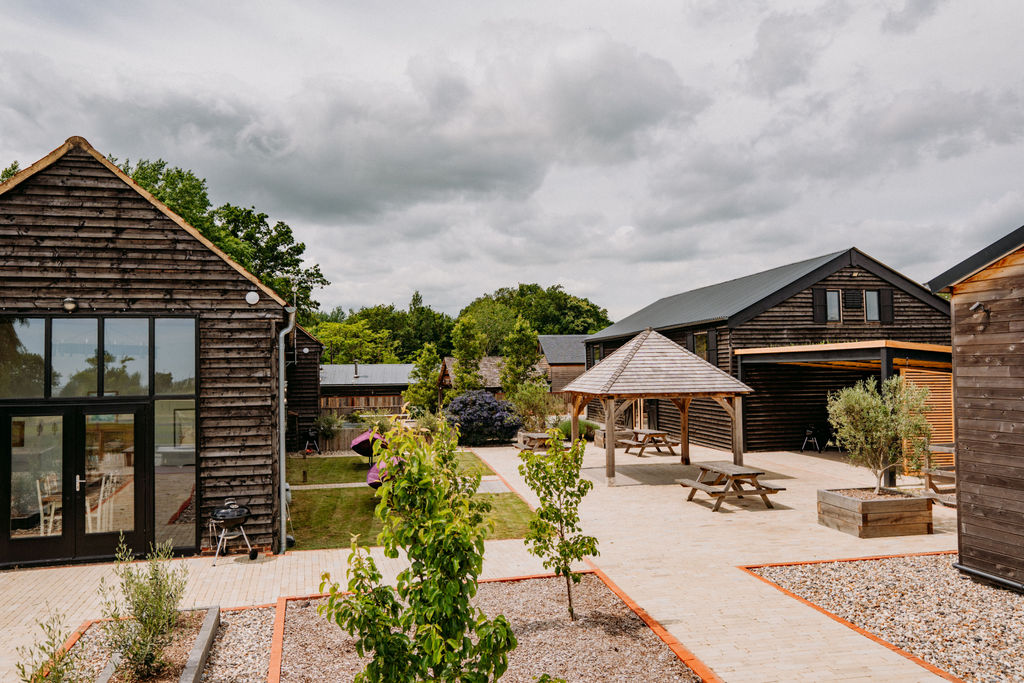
[
  {"x": 978, "y": 306},
  {"x": 69, "y": 304},
  {"x": 252, "y": 298}
]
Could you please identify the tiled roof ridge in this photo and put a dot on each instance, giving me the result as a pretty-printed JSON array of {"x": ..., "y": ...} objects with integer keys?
[{"x": 638, "y": 342}]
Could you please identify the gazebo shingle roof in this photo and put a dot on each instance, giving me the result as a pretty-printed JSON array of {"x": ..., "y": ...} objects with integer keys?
[{"x": 651, "y": 364}]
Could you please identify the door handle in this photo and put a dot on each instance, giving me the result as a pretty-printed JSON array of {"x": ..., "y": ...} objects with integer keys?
[{"x": 78, "y": 482}]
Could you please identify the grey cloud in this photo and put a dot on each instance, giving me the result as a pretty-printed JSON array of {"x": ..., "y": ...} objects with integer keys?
[{"x": 910, "y": 16}]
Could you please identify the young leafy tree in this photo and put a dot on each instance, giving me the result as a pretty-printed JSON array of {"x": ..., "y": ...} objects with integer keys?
[
  {"x": 425, "y": 627},
  {"x": 495, "y": 320},
  {"x": 521, "y": 352},
  {"x": 350, "y": 341},
  {"x": 468, "y": 350},
  {"x": 535, "y": 403},
  {"x": 876, "y": 427},
  {"x": 422, "y": 391},
  {"x": 555, "y": 533}
]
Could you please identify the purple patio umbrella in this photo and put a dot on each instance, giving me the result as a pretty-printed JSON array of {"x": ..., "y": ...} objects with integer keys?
[
  {"x": 374, "y": 478},
  {"x": 363, "y": 444}
]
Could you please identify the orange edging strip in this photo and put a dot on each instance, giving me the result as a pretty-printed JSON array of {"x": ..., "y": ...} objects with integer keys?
[
  {"x": 912, "y": 657},
  {"x": 688, "y": 658},
  {"x": 277, "y": 643}
]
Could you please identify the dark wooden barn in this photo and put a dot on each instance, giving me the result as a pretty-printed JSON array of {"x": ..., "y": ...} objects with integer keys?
[
  {"x": 845, "y": 296},
  {"x": 138, "y": 376},
  {"x": 360, "y": 387},
  {"x": 988, "y": 389},
  {"x": 302, "y": 392},
  {"x": 563, "y": 358}
]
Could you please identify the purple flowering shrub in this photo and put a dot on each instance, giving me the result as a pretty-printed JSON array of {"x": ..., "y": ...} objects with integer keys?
[{"x": 482, "y": 418}]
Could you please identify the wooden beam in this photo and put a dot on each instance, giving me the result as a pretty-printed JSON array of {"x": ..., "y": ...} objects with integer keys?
[
  {"x": 577, "y": 404},
  {"x": 683, "y": 404},
  {"x": 609, "y": 441},
  {"x": 737, "y": 430},
  {"x": 622, "y": 408},
  {"x": 725, "y": 405}
]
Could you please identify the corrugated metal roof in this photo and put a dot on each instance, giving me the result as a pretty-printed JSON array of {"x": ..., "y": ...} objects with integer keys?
[
  {"x": 652, "y": 364},
  {"x": 714, "y": 302},
  {"x": 384, "y": 374},
  {"x": 564, "y": 349}
]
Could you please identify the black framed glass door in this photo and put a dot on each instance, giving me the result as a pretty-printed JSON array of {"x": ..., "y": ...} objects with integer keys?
[{"x": 76, "y": 479}]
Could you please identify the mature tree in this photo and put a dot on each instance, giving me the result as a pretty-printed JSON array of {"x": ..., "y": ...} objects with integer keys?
[
  {"x": 10, "y": 171},
  {"x": 269, "y": 252},
  {"x": 422, "y": 391},
  {"x": 335, "y": 315},
  {"x": 349, "y": 342},
  {"x": 427, "y": 326},
  {"x": 468, "y": 349},
  {"x": 551, "y": 310},
  {"x": 521, "y": 351},
  {"x": 495, "y": 321}
]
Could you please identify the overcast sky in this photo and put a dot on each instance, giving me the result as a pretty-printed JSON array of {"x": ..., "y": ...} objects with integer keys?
[{"x": 624, "y": 150}]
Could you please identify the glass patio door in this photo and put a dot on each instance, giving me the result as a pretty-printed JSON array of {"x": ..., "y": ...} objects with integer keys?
[{"x": 73, "y": 482}]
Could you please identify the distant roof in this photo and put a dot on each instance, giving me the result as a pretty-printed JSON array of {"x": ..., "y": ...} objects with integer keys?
[
  {"x": 979, "y": 261},
  {"x": 490, "y": 371},
  {"x": 737, "y": 300},
  {"x": 564, "y": 349},
  {"x": 384, "y": 374},
  {"x": 652, "y": 364}
]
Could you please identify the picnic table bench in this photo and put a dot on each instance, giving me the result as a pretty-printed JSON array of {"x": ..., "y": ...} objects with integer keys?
[
  {"x": 646, "y": 438},
  {"x": 529, "y": 441},
  {"x": 722, "y": 479}
]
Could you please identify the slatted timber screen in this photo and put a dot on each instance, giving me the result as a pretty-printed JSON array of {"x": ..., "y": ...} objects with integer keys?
[
  {"x": 346, "y": 405},
  {"x": 940, "y": 409}
]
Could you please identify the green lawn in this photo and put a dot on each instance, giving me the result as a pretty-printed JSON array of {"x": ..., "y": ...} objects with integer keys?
[
  {"x": 349, "y": 468},
  {"x": 327, "y": 518}
]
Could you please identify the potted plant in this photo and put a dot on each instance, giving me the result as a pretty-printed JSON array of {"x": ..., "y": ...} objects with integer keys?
[{"x": 878, "y": 427}]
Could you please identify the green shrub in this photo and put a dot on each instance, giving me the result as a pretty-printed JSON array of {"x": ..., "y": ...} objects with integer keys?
[
  {"x": 429, "y": 423},
  {"x": 535, "y": 404},
  {"x": 587, "y": 429},
  {"x": 378, "y": 420},
  {"x": 328, "y": 425},
  {"x": 140, "y": 629},
  {"x": 425, "y": 627},
  {"x": 48, "y": 661},
  {"x": 482, "y": 418}
]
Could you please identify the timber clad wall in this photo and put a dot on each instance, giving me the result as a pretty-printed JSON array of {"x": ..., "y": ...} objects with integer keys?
[
  {"x": 560, "y": 375},
  {"x": 302, "y": 372},
  {"x": 788, "y": 399},
  {"x": 988, "y": 371},
  {"x": 76, "y": 229}
]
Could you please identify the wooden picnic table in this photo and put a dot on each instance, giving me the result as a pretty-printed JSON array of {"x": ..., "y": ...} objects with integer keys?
[
  {"x": 644, "y": 438},
  {"x": 531, "y": 440},
  {"x": 940, "y": 473},
  {"x": 723, "y": 479}
]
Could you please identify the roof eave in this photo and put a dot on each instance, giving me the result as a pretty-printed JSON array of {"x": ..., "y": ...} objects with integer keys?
[{"x": 977, "y": 262}]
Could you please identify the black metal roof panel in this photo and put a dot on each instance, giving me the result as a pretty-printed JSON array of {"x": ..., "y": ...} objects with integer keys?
[
  {"x": 972, "y": 264},
  {"x": 564, "y": 349},
  {"x": 714, "y": 302},
  {"x": 369, "y": 374}
]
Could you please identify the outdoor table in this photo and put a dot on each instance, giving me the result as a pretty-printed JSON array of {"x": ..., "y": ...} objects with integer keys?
[
  {"x": 939, "y": 474},
  {"x": 532, "y": 440},
  {"x": 656, "y": 438},
  {"x": 722, "y": 479}
]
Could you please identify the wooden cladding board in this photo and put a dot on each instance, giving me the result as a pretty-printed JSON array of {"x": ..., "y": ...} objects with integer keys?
[
  {"x": 303, "y": 389},
  {"x": 988, "y": 363},
  {"x": 76, "y": 229}
]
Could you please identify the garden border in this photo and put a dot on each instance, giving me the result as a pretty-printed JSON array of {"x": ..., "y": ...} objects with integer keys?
[
  {"x": 912, "y": 657},
  {"x": 678, "y": 649}
]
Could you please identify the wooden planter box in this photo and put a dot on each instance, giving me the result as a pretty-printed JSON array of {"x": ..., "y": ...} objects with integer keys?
[{"x": 875, "y": 518}]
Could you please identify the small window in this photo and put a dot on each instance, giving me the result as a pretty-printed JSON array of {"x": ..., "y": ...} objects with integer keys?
[
  {"x": 871, "y": 307},
  {"x": 700, "y": 344},
  {"x": 833, "y": 306}
]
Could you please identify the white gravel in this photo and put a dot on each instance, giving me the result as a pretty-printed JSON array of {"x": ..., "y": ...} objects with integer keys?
[
  {"x": 923, "y": 605},
  {"x": 241, "y": 651}
]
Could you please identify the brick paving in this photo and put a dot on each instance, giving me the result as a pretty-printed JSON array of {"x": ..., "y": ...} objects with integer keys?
[{"x": 677, "y": 559}]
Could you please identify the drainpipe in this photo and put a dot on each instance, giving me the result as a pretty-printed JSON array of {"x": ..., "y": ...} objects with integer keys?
[{"x": 281, "y": 424}]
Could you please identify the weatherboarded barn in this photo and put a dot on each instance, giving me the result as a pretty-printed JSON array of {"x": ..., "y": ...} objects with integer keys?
[
  {"x": 988, "y": 386},
  {"x": 845, "y": 296},
  {"x": 563, "y": 358},
  {"x": 138, "y": 387},
  {"x": 348, "y": 388}
]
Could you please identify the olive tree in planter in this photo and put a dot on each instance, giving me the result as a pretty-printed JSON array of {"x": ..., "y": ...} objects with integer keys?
[{"x": 878, "y": 427}]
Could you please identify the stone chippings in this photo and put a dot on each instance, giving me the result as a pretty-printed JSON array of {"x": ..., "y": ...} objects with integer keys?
[
  {"x": 241, "y": 651},
  {"x": 922, "y": 605},
  {"x": 608, "y": 643}
]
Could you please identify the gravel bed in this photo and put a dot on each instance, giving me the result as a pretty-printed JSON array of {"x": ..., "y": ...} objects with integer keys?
[
  {"x": 869, "y": 494},
  {"x": 241, "y": 651},
  {"x": 94, "y": 652},
  {"x": 922, "y": 605},
  {"x": 608, "y": 642}
]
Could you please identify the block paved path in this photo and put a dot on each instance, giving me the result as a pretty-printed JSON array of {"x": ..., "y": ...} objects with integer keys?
[{"x": 675, "y": 558}]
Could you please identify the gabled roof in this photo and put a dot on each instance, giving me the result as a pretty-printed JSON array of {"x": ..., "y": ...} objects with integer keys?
[
  {"x": 302, "y": 336},
  {"x": 651, "y": 364},
  {"x": 82, "y": 144},
  {"x": 735, "y": 301},
  {"x": 490, "y": 371},
  {"x": 973, "y": 264},
  {"x": 564, "y": 349},
  {"x": 381, "y": 374}
]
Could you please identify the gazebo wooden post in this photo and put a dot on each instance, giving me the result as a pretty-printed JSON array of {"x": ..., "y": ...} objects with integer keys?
[
  {"x": 737, "y": 429},
  {"x": 577, "y": 402},
  {"x": 684, "y": 430},
  {"x": 609, "y": 440}
]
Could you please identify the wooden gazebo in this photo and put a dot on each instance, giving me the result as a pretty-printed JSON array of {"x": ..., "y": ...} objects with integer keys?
[{"x": 653, "y": 366}]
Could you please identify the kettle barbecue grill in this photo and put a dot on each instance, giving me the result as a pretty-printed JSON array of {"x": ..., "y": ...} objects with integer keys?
[{"x": 231, "y": 519}]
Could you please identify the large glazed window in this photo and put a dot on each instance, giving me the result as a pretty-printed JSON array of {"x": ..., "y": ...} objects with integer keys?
[
  {"x": 37, "y": 461},
  {"x": 125, "y": 356},
  {"x": 175, "y": 356},
  {"x": 22, "y": 357},
  {"x": 74, "y": 347},
  {"x": 174, "y": 468}
]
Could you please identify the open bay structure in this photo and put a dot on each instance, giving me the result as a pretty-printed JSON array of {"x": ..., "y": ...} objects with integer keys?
[
  {"x": 988, "y": 384},
  {"x": 793, "y": 334},
  {"x": 651, "y": 366},
  {"x": 139, "y": 369}
]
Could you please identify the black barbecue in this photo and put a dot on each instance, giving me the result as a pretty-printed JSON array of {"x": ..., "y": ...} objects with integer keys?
[{"x": 231, "y": 520}]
